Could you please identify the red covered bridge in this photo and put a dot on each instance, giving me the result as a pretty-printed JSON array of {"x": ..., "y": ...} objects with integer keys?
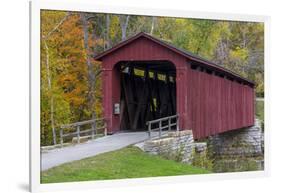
[{"x": 145, "y": 78}]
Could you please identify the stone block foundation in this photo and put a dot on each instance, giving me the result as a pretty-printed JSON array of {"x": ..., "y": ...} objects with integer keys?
[
  {"x": 238, "y": 150},
  {"x": 176, "y": 146}
]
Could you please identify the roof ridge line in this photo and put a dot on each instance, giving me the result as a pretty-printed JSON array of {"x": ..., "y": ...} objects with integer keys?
[{"x": 185, "y": 53}]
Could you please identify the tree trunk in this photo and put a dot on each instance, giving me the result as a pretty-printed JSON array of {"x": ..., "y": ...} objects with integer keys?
[
  {"x": 152, "y": 25},
  {"x": 108, "y": 42},
  {"x": 50, "y": 91},
  {"x": 91, "y": 74},
  {"x": 124, "y": 20}
]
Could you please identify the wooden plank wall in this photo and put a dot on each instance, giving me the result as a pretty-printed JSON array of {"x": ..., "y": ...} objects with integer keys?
[{"x": 218, "y": 104}]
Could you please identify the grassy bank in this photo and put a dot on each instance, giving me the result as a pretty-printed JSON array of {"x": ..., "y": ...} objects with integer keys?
[{"x": 128, "y": 162}]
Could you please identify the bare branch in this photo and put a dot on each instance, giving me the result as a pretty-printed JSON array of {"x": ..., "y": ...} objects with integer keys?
[
  {"x": 98, "y": 73},
  {"x": 90, "y": 17},
  {"x": 57, "y": 26}
]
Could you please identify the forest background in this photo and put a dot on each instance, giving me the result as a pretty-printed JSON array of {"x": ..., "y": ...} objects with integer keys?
[{"x": 70, "y": 77}]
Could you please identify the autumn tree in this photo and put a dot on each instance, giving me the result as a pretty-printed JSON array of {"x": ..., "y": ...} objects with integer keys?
[{"x": 53, "y": 106}]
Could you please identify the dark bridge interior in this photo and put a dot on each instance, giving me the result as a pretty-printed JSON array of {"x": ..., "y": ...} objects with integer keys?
[{"x": 148, "y": 92}]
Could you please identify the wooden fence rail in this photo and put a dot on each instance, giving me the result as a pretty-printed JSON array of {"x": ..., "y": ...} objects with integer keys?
[
  {"x": 78, "y": 131},
  {"x": 172, "y": 121}
]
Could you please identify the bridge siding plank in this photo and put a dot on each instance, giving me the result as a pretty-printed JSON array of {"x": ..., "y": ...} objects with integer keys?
[{"x": 218, "y": 104}]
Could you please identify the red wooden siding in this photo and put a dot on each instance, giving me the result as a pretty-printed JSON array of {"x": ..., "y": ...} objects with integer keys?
[
  {"x": 206, "y": 103},
  {"x": 217, "y": 104}
]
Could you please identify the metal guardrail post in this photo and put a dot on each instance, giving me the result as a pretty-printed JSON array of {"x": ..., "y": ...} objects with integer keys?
[
  {"x": 178, "y": 123},
  {"x": 93, "y": 130},
  {"x": 160, "y": 128},
  {"x": 105, "y": 127},
  {"x": 78, "y": 134},
  {"x": 105, "y": 131},
  {"x": 149, "y": 130},
  {"x": 61, "y": 137},
  {"x": 169, "y": 124}
]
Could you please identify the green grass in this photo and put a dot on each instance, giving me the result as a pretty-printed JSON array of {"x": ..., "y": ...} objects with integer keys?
[
  {"x": 129, "y": 162},
  {"x": 260, "y": 111}
]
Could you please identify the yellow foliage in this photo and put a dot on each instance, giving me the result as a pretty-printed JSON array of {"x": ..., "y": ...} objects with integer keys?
[{"x": 239, "y": 53}]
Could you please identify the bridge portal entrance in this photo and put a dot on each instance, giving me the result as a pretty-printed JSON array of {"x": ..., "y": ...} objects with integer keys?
[{"x": 148, "y": 92}]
